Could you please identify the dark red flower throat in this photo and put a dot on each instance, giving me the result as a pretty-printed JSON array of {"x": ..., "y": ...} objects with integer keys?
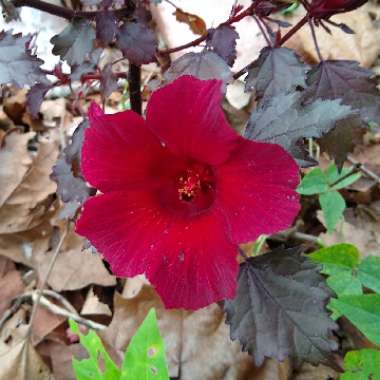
[{"x": 189, "y": 189}]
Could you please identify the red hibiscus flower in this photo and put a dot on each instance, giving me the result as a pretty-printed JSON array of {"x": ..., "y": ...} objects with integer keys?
[
  {"x": 327, "y": 8},
  {"x": 180, "y": 191}
]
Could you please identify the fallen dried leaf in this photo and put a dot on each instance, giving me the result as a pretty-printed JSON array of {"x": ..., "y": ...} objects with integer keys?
[
  {"x": 21, "y": 362},
  {"x": 28, "y": 203},
  {"x": 93, "y": 306},
  {"x": 196, "y": 24},
  {"x": 197, "y": 343}
]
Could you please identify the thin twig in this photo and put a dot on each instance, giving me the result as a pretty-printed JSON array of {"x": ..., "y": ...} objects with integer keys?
[
  {"x": 262, "y": 30},
  {"x": 292, "y": 233},
  {"x": 42, "y": 286},
  {"x": 364, "y": 169},
  {"x": 57, "y": 310},
  {"x": 315, "y": 40}
]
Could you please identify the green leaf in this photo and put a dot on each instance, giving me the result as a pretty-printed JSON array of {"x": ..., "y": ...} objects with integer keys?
[
  {"x": 313, "y": 182},
  {"x": 145, "y": 356},
  {"x": 333, "y": 205},
  {"x": 99, "y": 365},
  {"x": 362, "y": 310},
  {"x": 332, "y": 174},
  {"x": 369, "y": 273},
  {"x": 337, "y": 258},
  {"x": 345, "y": 284},
  {"x": 347, "y": 181},
  {"x": 362, "y": 365}
]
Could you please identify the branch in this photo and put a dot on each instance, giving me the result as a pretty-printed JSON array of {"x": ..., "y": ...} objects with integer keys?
[
  {"x": 368, "y": 172},
  {"x": 134, "y": 82},
  {"x": 292, "y": 233},
  {"x": 67, "y": 13},
  {"x": 293, "y": 30}
]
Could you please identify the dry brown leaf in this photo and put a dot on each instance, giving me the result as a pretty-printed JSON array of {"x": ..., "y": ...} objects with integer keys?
[
  {"x": 363, "y": 46},
  {"x": 15, "y": 162},
  {"x": 27, "y": 205},
  {"x": 196, "y": 23},
  {"x": 11, "y": 285},
  {"x": 61, "y": 359},
  {"x": 44, "y": 323},
  {"x": 310, "y": 372},
  {"x": 197, "y": 343},
  {"x": 93, "y": 306},
  {"x": 21, "y": 362},
  {"x": 25, "y": 247},
  {"x": 357, "y": 228},
  {"x": 75, "y": 269}
]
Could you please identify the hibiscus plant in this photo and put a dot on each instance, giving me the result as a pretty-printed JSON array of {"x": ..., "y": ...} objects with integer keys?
[{"x": 171, "y": 189}]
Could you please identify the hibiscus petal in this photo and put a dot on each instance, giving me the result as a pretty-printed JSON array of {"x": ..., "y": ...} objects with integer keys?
[
  {"x": 198, "y": 266},
  {"x": 190, "y": 263},
  {"x": 256, "y": 190},
  {"x": 187, "y": 116},
  {"x": 118, "y": 150}
]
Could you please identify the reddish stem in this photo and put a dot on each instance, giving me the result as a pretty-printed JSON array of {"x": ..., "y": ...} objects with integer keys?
[
  {"x": 279, "y": 43},
  {"x": 247, "y": 12},
  {"x": 293, "y": 30}
]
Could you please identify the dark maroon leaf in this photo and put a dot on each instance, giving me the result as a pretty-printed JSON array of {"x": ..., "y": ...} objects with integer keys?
[
  {"x": 17, "y": 65},
  {"x": 341, "y": 140},
  {"x": 106, "y": 26},
  {"x": 88, "y": 66},
  {"x": 71, "y": 187},
  {"x": 74, "y": 42},
  {"x": 223, "y": 41},
  {"x": 277, "y": 70},
  {"x": 266, "y": 7},
  {"x": 283, "y": 120},
  {"x": 137, "y": 42},
  {"x": 324, "y": 9},
  {"x": 348, "y": 81},
  {"x": 35, "y": 97},
  {"x": 204, "y": 65},
  {"x": 279, "y": 309},
  {"x": 108, "y": 81}
]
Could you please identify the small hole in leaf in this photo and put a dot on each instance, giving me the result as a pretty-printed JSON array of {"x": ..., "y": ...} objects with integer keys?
[
  {"x": 151, "y": 352},
  {"x": 154, "y": 370}
]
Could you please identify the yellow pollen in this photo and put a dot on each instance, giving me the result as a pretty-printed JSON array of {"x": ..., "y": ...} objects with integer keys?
[{"x": 189, "y": 186}]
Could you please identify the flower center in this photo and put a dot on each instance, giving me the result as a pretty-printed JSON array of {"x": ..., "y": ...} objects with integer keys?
[
  {"x": 189, "y": 185},
  {"x": 193, "y": 181},
  {"x": 189, "y": 189}
]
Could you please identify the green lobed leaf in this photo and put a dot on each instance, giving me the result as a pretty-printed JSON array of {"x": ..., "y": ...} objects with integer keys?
[
  {"x": 362, "y": 310},
  {"x": 362, "y": 365},
  {"x": 339, "y": 262},
  {"x": 99, "y": 365},
  {"x": 337, "y": 258},
  {"x": 337, "y": 179},
  {"x": 369, "y": 273},
  {"x": 345, "y": 283},
  {"x": 314, "y": 182},
  {"x": 145, "y": 357},
  {"x": 333, "y": 206}
]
